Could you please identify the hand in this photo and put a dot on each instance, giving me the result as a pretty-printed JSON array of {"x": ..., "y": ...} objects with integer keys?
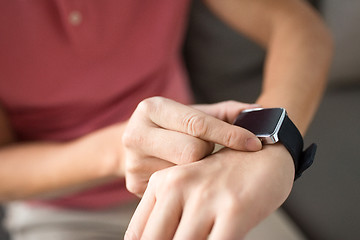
[
  {"x": 221, "y": 197},
  {"x": 162, "y": 133}
]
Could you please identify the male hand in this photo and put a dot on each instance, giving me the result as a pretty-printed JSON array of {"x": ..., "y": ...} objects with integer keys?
[
  {"x": 220, "y": 197},
  {"x": 162, "y": 133}
]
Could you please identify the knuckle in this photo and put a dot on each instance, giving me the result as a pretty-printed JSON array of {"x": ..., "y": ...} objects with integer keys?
[
  {"x": 127, "y": 138},
  {"x": 204, "y": 193},
  {"x": 150, "y": 104},
  {"x": 145, "y": 105},
  {"x": 168, "y": 180},
  {"x": 192, "y": 152},
  {"x": 132, "y": 137},
  {"x": 195, "y": 125},
  {"x": 158, "y": 182},
  {"x": 232, "y": 204},
  {"x": 133, "y": 166},
  {"x": 155, "y": 177},
  {"x": 230, "y": 139},
  {"x": 235, "y": 138},
  {"x": 135, "y": 187},
  {"x": 176, "y": 177}
]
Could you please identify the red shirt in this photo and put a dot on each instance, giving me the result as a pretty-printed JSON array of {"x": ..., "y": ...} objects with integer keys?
[{"x": 69, "y": 67}]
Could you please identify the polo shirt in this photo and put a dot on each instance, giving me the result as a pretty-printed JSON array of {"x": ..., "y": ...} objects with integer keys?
[{"x": 69, "y": 67}]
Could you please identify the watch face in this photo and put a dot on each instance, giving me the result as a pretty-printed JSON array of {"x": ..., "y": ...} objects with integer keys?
[{"x": 261, "y": 122}]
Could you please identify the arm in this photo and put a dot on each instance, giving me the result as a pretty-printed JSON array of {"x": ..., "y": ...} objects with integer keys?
[
  {"x": 162, "y": 133},
  {"x": 48, "y": 169},
  {"x": 227, "y": 193},
  {"x": 299, "y": 50}
]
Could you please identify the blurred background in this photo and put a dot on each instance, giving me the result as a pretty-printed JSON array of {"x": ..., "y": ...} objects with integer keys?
[
  {"x": 223, "y": 65},
  {"x": 325, "y": 202}
]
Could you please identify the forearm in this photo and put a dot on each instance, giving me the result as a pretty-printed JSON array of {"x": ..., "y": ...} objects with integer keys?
[
  {"x": 298, "y": 59},
  {"x": 299, "y": 49},
  {"x": 49, "y": 168}
]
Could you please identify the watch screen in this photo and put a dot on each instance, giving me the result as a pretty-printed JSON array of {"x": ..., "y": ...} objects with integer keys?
[{"x": 260, "y": 122}]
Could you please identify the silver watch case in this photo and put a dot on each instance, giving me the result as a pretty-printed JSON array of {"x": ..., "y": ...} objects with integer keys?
[{"x": 271, "y": 137}]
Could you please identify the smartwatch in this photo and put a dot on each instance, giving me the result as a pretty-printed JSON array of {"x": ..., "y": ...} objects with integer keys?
[{"x": 272, "y": 125}]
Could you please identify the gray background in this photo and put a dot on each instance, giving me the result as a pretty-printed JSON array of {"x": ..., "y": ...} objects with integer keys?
[{"x": 224, "y": 65}]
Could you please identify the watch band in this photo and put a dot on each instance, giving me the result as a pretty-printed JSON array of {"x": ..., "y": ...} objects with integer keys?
[{"x": 291, "y": 138}]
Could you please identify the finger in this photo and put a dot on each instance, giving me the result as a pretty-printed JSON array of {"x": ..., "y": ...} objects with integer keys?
[
  {"x": 228, "y": 227},
  {"x": 169, "y": 145},
  {"x": 139, "y": 219},
  {"x": 164, "y": 218},
  {"x": 139, "y": 170},
  {"x": 175, "y": 147},
  {"x": 226, "y": 111},
  {"x": 175, "y": 116},
  {"x": 196, "y": 223}
]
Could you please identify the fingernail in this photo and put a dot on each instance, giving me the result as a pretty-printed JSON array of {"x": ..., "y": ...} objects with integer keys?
[{"x": 253, "y": 144}]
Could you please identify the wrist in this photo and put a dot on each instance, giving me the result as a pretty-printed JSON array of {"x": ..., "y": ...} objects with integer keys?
[
  {"x": 106, "y": 151},
  {"x": 281, "y": 160},
  {"x": 273, "y": 125}
]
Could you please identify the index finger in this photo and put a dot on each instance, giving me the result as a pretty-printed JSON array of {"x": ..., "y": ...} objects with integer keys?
[{"x": 172, "y": 115}]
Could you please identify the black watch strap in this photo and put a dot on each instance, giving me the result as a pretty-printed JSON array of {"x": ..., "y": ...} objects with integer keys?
[{"x": 291, "y": 138}]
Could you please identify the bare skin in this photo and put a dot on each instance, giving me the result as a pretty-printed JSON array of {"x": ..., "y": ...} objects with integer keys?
[
  {"x": 226, "y": 197},
  {"x": 237, "y": 186},
  {"x": 208, "y": 194},
  {"x": 51, "y": 169}
]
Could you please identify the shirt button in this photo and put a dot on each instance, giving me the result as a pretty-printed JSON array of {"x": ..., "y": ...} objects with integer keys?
[{"x": 75, "y": 18}]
